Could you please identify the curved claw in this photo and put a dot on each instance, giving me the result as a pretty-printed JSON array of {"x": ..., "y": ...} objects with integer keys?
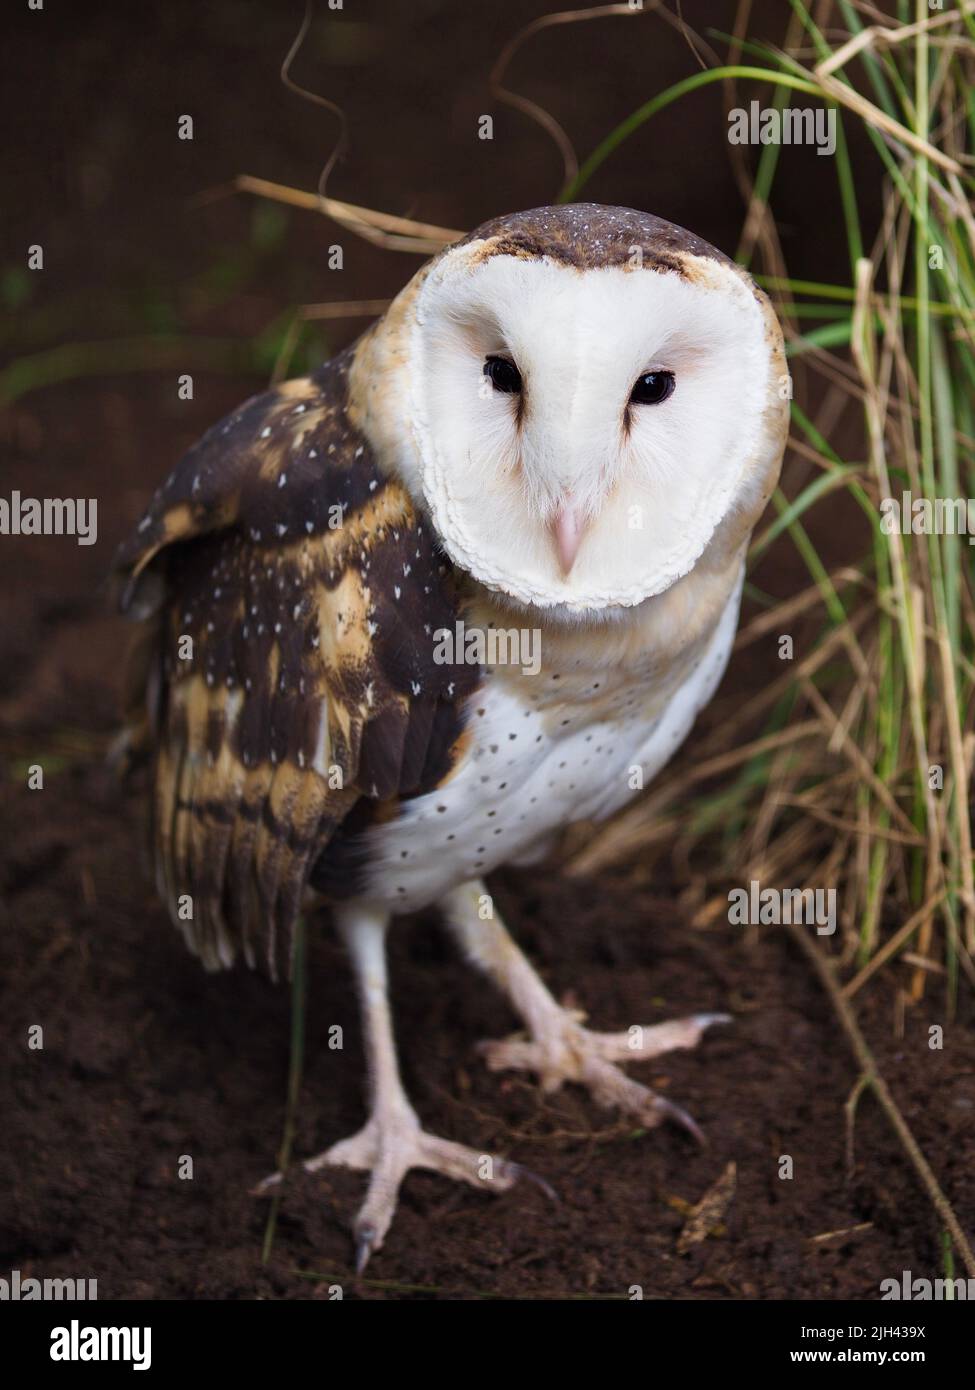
[
  {"x": 709, "y": 1020},
  {"x": 262, "y": 1188},
  {"x": 365, "y": 1243},
  {"x": 671, "y": 1111},
  {"x": 518, "y": 1170}
]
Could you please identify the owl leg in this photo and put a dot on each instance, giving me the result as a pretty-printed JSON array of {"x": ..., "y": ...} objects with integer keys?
[
  {"x": 558, "y": 1048},
  {"x": 392, "y": 1142}
]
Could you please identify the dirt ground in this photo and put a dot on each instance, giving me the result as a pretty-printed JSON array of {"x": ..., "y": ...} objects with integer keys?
[{"x": 145, "y": 1058}]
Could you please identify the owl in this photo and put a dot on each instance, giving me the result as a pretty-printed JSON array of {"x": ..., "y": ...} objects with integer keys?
[{"x": 406, "y": 618}]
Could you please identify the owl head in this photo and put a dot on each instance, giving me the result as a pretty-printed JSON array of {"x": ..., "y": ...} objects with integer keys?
[{"x": 584, "y": 399}]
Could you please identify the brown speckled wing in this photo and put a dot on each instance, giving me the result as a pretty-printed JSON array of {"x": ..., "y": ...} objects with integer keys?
[{"x": 286, "y": 676}]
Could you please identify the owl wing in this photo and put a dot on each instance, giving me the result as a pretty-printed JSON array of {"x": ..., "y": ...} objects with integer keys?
[{"x": 290, "y": 593}]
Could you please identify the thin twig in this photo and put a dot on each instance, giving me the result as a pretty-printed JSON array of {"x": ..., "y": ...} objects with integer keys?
[{"x": 878, "y": 1085}]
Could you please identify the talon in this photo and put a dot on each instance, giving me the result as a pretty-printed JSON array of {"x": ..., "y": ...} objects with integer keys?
[
  {"x": 365, "y": 1243},
  {"x": 262, "y": 1188},
  {"x": 679, "y": 1115},
  {"x": 518, "y": 1170},
  {"x": 389, "y": 1145},
  {"x": 562, "y": 1051},
  {"x": 708, "y": 1020}
]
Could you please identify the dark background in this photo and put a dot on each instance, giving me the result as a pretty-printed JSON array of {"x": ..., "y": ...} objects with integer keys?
[{"x": 145, "y": 1058}]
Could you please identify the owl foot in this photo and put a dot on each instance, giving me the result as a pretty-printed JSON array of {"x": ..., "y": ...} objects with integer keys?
[
  {"x": 388, "y": 1146},
  {"x": 561, "y": 1050}
]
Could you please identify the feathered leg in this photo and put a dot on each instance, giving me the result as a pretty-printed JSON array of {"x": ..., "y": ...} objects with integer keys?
[
  {"x": 392, "y": 1142},
  {"x": 558, "y": 1048}
]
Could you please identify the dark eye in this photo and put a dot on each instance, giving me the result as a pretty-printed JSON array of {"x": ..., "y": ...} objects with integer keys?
[
  {"x": 652, "y": 388},
  {"x": 503, "y": 373}
]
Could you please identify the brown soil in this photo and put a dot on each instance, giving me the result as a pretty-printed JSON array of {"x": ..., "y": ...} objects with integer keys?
[{"x": 146, "y": 1059}]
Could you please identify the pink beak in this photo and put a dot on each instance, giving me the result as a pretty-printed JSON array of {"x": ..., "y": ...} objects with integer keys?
[{"x": 568, "y": 530}]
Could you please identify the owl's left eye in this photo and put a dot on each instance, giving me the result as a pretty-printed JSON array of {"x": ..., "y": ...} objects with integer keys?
[
  {"x": 652, "y": 387},
  {"x": 503, "y": 374}
]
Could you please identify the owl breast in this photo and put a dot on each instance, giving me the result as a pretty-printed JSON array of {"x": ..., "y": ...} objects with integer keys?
[{"x": 537, "y": 761}]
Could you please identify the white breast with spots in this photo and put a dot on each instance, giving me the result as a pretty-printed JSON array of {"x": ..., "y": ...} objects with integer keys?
[{"x": 527, "y": 776}]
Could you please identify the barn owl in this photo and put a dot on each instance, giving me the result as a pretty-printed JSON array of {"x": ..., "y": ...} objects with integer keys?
[{"x": 556, "y": 442}]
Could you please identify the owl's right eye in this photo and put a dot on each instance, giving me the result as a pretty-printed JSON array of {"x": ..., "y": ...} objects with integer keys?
[{"x": 503, "y": 374}]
